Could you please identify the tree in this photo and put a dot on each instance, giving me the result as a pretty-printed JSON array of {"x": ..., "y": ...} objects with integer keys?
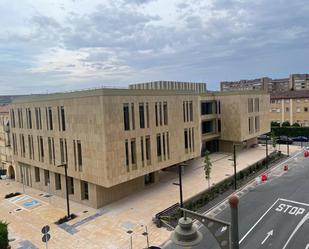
[
  {"x": 275, "y": 124},
  {"x": 296, "y": 125},
  {"x": 4, "y": 237},
  {"x": 286, "y": 124},
  {"x": 207, "y": 167}
]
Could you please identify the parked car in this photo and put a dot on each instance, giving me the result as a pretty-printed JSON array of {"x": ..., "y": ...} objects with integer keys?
[
  {"x": 264, "y": 137},
  {"x": 284, "y": 140},
  {"x": 300, "y": 139}
]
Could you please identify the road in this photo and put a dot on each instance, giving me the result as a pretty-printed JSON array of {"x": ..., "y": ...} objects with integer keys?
[{"x": 274, "y": 214}]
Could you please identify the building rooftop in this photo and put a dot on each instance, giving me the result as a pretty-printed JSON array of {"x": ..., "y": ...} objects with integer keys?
[{"x": 290, "y": 95}]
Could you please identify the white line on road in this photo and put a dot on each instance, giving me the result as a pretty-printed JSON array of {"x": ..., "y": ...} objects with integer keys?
[
  {"x": 258, "y": 221},
  {"x": 296, "y": 202},
  {"x": 307, "y": 246},
  {"x": 304, "y": 219},
  {"x": 270, "y": 233}
]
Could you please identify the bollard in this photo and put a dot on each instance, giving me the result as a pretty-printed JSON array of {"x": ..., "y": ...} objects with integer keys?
[
  {"x": 264, "y": 177},
  {"x": 233, "y": 201}
]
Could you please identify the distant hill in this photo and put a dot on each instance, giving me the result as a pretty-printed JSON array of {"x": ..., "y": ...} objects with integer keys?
[{"x": 7, "y": 99}]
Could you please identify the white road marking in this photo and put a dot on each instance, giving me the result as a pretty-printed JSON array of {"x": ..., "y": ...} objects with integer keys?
[
  {"x": 307, "y": 246},
  {"x": 258, "y": 221},
  {"x": 270, "y": 233},
  {"x": 223, "y": 229},
  {"x": 296, "y": 202},
  {"x": 304, "y": 219}
]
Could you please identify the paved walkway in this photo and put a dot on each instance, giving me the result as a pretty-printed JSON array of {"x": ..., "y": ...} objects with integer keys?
[{"x": 108, "y": 227}]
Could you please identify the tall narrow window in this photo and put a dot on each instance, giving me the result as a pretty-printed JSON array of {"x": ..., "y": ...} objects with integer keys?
[
  {"x": 165, "y": 113},
  {"x": 159, "y": 151},
  {"x": 142, "y": 150},
  {"x": 163, "y": 141},
  {"x": 58, "y": 181},
  {"x": 20, "y": 118},
  {"x": 156, "y": 113},
  {"x": 190, "y": 145},
  {"x": 30, "y": 146},
  {"x": 50, "y": 118},
  {"x": 62, "y": 114},
  {"x": 46, "y": 177},
  {"x": 71, "y": 185},
  {"x": 12, "y": 118},
  {"x": 126, "y": 116},
  {"x": 133, "y": 151},
  {"x": 38, "y": 119},
  {"x": 191, "y": 110},
  {"x": 61, "y": 142},
  {"x": 50, "y": 152},
  {"x": 168, "y": 145},
  {"x": 84, "y": 190},
  {"x": 127, "y": 152},
  {"x": 148, "y": 150},
  {"x": 193, "y": 139},
  {"x": 41, "y": 148},
  {"x": 186, "y": 139},
  {"x": 141, "y": 115},
  {"x": 147, "y": 114},
  {"x": 184, "y": 111},
  {"x": 160, "y": 113},
  {"x": 29, "y": 118},
  {"x": 79, "y": 155},
  {"x": 37, "y": 174},
  {"x": 22, "y": 145},
  {"x": 133, "y": 116},
  {"x": 74, "y": 152},
  {"x": 256, "y": 105}
]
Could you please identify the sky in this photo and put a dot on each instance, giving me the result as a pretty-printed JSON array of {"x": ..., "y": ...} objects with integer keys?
[{"x": 63, "y": 45}]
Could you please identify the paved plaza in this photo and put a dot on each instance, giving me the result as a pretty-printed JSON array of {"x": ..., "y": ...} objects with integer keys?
[{"x": 108, "y": 227}]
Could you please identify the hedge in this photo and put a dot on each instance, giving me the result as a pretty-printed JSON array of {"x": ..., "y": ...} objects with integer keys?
[
  {"x": 4, "y": 235},
  {"x": 291, "y": 131}
]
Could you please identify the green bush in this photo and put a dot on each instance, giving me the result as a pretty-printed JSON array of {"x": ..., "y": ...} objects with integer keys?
[
  {"x": 286, "y": 124},
  {"x": 4, "y": 235}
]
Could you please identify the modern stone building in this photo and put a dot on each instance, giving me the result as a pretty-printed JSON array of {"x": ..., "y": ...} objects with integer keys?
[
  {"x": 292, "y": 106},
  {"x": 6, "y": 162},
  {"x": 171, "y": 85},
  {"x": 116, "y": 141},
  {"x": 295, "y": 82}
]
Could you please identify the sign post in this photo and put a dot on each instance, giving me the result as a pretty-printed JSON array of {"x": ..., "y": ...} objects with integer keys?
[{"x": 46, "y": 235}]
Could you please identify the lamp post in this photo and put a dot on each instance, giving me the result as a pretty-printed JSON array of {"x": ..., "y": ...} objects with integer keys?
[
  {"x": 65, "y": 165},
  {"x": 180, "y": 183},
  {"x": 266, "y": 159},
  {"x": 187, "y": 235}
]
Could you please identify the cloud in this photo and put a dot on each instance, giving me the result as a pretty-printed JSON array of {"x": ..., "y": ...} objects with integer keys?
[{"x": 78, "y": 43}]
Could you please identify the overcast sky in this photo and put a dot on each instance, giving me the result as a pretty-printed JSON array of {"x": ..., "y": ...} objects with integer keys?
[{"x": 60, "y": 45}]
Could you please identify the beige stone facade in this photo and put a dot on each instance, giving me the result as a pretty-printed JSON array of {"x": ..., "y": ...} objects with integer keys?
[
  {"x": 115, "y": 141},
  {"x": 290, "y": 106},
  {"x": 6, "y": 162}
]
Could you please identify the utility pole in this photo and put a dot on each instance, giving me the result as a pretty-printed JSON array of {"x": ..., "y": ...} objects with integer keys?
[
  {"x": 234, "y": 157},
  {"x": 180, "y": 184},
  {"x": 266, "y": 159},
  {"x": 65, "y": 165}
]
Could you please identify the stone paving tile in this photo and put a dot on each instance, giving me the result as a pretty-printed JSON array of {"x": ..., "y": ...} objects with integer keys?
[{"x": 109, "y": 230}]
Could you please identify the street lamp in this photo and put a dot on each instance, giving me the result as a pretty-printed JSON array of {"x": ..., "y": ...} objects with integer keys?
[
  {"x": 65, "y": 165},
  {"x": 187, "y": 235},
  {"x": 180, "y": 182},
  {"x": 266, "y": 159}
]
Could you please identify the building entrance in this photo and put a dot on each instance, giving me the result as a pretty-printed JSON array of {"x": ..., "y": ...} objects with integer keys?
[
  {"x": 25, "y": 174},
  {"x": 211, "y": 146}
]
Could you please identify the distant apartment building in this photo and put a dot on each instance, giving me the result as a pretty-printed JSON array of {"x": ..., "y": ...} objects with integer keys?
[
  {"x": 116, "y": 141},
  {"x": 171, "y": 85},
  {"x": 294, "y": 82},
  {"x": 291, "y": 106},
  {"x": 6, "y": 162}
]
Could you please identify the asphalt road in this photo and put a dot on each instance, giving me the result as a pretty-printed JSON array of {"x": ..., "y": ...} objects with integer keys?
[{"x": 274, "y": 214}]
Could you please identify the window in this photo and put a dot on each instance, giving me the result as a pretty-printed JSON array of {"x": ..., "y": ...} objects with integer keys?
[
  {"x": 206, "y": 108},
  {"x": 287, "y": 109},
  {"x": 250, "y": 124},
  {"x": 20, "y": 118},
  {"x": 62, "y": 115},
  {"x": 133, "y": 151},
  {"x": 30, "y": 147},
  {"x": 79, "y": 155},
  {"x": 207, "y": 127},
  {"x": 305, "y": 109},
  {"x": 58, "y": 181},
  {"x": 160, "y": 113},
  {"x": 29, "y": 119},
  {"x": 46, "y": 177},
  {"x": 159, "y": 151},
  {"x": 40, "y": 148},
  {"x": 156, "y": 113},
  {"x": 250, "y": 105},
  {"x": 127, "y": 152},
  {"x": 191, "y": 110},
  {"x": 38, "y": 118},
  {"x": 141, "y": 115},
  {"x": 186, "y": 139},
  {"x": 219, "y": 125},
  {"x": 148, "y": 149},
  {"x": 22, "y": 145},
  {"x": 142, "y": 150},
  {"x": 133, "y": 116},
  {"x": 257, "y": 123},
  {"x": 84, "y": 190},
  {"x": 49, "y": 118},
  {"x": 71, "y": 185},
  {"x": 15, "y": 151},
  {"x": 37, "y": 174},
  {"x": 147, "y": 114},
  {"x": 165, "y": 113},
  {"x": 163, "y": 145},
  {"x": 63, "y": 150},
  {"x": 184, "y": 111},
  {"x": 126, "y": 117},
  {"x": 256, "y": 105},
  {"x": 219, "y": 107},
  {"x": 12, "y": 114}
]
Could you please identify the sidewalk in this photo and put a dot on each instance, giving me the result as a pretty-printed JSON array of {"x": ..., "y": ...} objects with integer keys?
[{"x": 107, "y": 227}]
